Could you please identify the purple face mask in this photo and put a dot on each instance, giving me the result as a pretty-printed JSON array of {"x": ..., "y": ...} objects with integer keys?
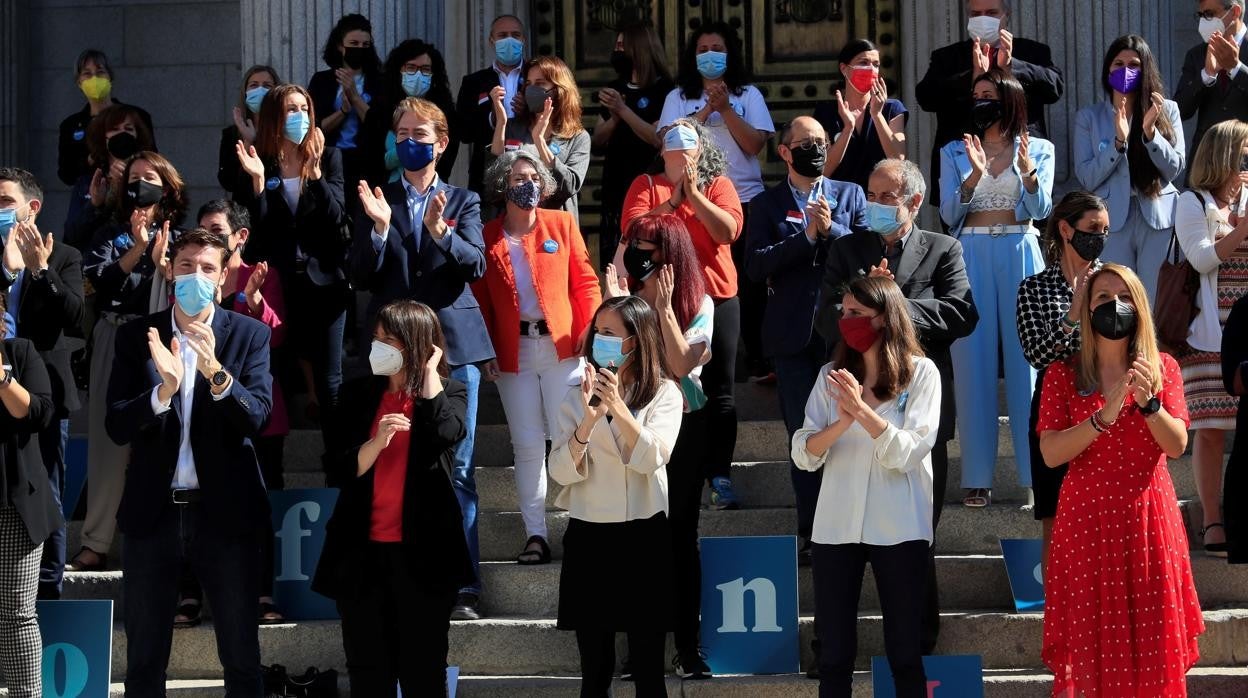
[{"x": 1125, "y": 79}]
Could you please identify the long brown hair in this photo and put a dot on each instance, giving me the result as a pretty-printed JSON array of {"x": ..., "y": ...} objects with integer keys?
[
  {"x": 649, "y": 367},
  {"x": 173, "y": 201},
  {"x": 247, "y": 76},
  {"x": 417, "y": 327},
  {"x": 565, "y": 122},
  {"x": 1145, "y": 177},
  {"x": 643, "y": 45},
  {"x": 108, "y": 119},
  {"x": 271, "y": 126},
  {"x": 1143, "y": 345},
  {"x": 900, "y": 344}
]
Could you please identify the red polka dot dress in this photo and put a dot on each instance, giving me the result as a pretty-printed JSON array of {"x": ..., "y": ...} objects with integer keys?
[{"x": 1121, "y": 615}]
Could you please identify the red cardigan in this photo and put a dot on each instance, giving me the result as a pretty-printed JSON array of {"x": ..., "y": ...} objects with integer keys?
[{"x": 567, "y": 287}]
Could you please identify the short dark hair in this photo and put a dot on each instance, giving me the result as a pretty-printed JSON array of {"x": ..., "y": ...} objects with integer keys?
[
  {"x": 203, "y": 238},
  {"x": 851, "y": 50},
  {"x": 235, "y": 213},
  {"x": 24, "y": 180},
  {"x": 416, "y": 326},
  {"x": 411, "y": 49},
  {"x": 96, "y": 56},
  {"x": 349, "y": 23},
  {"x": 1013, "y": 101}
]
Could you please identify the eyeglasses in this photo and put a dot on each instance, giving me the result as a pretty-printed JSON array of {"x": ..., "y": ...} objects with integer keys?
[
  {"x": 1210, "y": 14},
  {"x": 424, "y": 69},
  {"x": 807, "y": 143}
]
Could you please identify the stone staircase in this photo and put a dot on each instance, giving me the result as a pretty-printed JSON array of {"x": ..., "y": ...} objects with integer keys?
[{"x": 516, "y": 650}]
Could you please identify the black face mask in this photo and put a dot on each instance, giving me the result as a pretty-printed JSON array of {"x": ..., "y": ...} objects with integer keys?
[
  {"x": 142, "y": 194},
  {"x": 357, "y": 57},
  {"x": 639, "y": 263},
  {"x": 808, "y": 161},
  {"x": 122, "y": 145},
  {"x": 535, "y": 98},
  {"x": 1114, "y": 320},
  {"x": 1087, "y": 245},
  {"x": 985, "y": 113},
  {"x": 622, "y": 64}
]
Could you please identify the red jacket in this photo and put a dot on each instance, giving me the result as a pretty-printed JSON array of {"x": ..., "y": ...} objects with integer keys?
[{"x": 567, "y": 287}]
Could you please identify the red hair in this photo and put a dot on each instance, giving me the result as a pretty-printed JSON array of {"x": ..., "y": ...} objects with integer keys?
[{"x": 669, "y": 233}]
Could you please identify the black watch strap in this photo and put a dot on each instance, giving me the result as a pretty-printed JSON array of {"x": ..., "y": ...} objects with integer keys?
[
  {"x": 220, "y": 377},
  {"x": 1152, "y": 407}
]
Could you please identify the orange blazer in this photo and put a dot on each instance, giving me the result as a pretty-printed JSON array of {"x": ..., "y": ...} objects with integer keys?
[{"x": 567, "y": 287}]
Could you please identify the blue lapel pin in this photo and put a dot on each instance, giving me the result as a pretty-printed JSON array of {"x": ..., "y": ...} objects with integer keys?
[{"x": 550, "y": 247}]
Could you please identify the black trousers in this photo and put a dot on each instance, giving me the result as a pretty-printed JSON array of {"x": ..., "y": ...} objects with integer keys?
[
  {"x": 718, "y": 380},
  {"x": 597, "y": 647},
  {"x": 931, "y": 608},
  {"x": 394, "y": 630},
  {"x": 753, "y": 295},
  {"x": 684, "y": 498},
  {"x": 898, "y": 569}
]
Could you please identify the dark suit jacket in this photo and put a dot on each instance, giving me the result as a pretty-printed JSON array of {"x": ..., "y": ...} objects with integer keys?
[
  {"x": 946, "y": 90},
  {"x": 25, "y": 481},
  {"x": 778, "y": 252},
  {"x": 221, "y": 430},
  {"x": 49, "y": 308},
  {"x": 71, "y": 151},
  {"x": 1235, "y": 360},
  {"x": 433, "y": 533},
  {"x": 316, "y": 226},
  {"x": 436, "y": 274},
  {"x": 932, "y": 276},
  {"x": 475, "y": 124},
  {"x": 1212, "y": 104},
  {"x": 324, "y": 90}
]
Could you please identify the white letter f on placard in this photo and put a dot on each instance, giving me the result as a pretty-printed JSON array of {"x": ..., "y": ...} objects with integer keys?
[
  {"x": 734, "y": 605},
  {"x": 290, "y": 538}
]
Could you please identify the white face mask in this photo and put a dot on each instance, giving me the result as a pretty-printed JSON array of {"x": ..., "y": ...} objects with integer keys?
[
  {"x": 384, "y": 359},
  {"x": 986, "y": 29},
  {"x": 1210, "y": 26}
]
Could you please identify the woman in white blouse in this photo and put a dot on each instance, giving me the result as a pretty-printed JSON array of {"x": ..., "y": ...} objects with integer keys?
[
  {"x": 614, "y": 439},
  {"x": 871, "y": 421}
]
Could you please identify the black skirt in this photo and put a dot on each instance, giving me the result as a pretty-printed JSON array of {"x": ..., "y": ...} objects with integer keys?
[
  {"x": 1046, "y": 482},
  {"x": 616, "y": 576}
]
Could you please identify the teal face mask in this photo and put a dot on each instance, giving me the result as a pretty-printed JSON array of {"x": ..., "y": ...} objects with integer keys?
[
  {"x": 609, "y": 350},
  {"x": 882, "y": 219},
  {"x": 712, "y": 64},
  {"x": 8, "y": 219},
  {"x": 194, "y": 292}
]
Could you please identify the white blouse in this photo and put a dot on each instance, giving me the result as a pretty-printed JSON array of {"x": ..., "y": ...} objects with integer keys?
[
  {"x": 611, "y": 490},
  {"x": 875, "y": 491}
]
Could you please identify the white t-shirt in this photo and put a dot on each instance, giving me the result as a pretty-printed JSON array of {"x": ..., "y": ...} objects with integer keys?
[
  {"x": 743, "y": 170},
  {"x": 526, "y": 292},
  {"x": 698, "y": 332}
]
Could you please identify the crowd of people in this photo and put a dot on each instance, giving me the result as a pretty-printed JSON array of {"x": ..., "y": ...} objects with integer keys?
[{"x": 617, "y": 382}]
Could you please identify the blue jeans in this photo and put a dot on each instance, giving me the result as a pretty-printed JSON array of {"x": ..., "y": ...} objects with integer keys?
[
  {"x": 463, "y": 478},
  {"x": 227, "y": 568},
  {"x": 796, "y": 374},
  {"x": 52, "y": 442}
]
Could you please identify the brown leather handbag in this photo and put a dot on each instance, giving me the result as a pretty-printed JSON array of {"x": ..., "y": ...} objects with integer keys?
[{"x": 1178, "y": 286}]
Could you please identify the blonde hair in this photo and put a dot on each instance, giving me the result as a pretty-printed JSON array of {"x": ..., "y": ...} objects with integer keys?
[
  {"x": 1219, "y": 155},
  {"x": 1142, "y": 346}
]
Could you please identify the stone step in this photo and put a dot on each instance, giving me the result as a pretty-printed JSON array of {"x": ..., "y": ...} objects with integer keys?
[
  {"x": 964, "y": 581},
  {"x": 533, "y": 647}
]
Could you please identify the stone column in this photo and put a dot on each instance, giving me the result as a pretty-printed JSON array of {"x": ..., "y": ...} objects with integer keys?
[{"x": 14, "y": 81}]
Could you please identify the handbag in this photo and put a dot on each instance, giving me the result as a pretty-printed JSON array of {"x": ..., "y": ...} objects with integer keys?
[
  {"x": 312, "y": 683},
  {"x": 1178, "y": 287}
]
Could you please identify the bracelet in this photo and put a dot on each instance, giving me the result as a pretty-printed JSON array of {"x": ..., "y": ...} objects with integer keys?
[
  {"x": 578, "y": 439},
  {"x": 1033, "y": 172},
  {"x": 1096, "y": 423},
  {"x": 1067, "y": 322}
]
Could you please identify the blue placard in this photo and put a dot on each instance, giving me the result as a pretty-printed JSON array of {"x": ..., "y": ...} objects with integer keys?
[
  {"x": 1022, "y": 564},
  {"x": 749, "y": 604},
  {"x": 75, "y": 474},
  {"x": 948, "y": 676},
  {"x": 299, "y": 518},
  {"x": 77, "y": 647}
]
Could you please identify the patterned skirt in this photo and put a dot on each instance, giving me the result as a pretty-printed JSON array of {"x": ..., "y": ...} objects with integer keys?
[{"x": 1208, "y": 403}]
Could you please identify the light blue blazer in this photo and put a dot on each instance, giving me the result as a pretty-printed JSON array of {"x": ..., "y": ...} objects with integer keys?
[
  {"x": 1101, "y": 169},
  {"x": 955, "y": 167}
]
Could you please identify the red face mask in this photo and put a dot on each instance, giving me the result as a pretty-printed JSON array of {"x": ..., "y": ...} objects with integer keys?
[
  {"x": 863, "y": 78},
  {"x": 858, "y": 333}
]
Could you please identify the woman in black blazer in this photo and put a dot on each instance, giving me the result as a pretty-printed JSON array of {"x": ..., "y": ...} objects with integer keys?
[
  {"x": 395, "y": 554},
  {"x": 27, "y": 512}
]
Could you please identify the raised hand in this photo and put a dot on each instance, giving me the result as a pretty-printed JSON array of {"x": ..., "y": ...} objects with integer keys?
[
  {"x": 615, "y": 282},
  {"x": 606, "y": 386},
  {"x": 850, "y": 392},
  {"x": 1211, "y": 58},
  {"x": 1122, "y": 121},
  {"x": 1141, "y": 375},
  {"x": 666, "y": 286},
  {"x": 611, "y": 100},
  {"x": 246, "y": 127},
  {"x": 139, "y": 230},
  {"x": 818, "y": 218},
  {"x": 497, "y": 94},
  {"x": 254, "y": 282},
  {"x": 433, "y": 213},
  {"x": 689, "y": 184},
  {"x": 389, "y": 425},
  {"x": 980, "y": 58},
  {"x": 13, "y": 261},
  {"x": 1227, "y": 51},
  {"x": 975, "y": 153},
  {"x": 881, "y": 270},
  {"x": 1115, "y": 398},
  {"x": 316, "y": 137},
  {"x": 1079, "y": 295},
  {"x": 1025, "y": 163},
  {"x": 35, "y": 250},
  {"x": 160, "y": 246},
  {"x": 844, "y": 408},
  {"x": 375, "y": 206},
  {"x": 879, "y": 95},
  {"x": 1151, "y": 116},
  {"x": 717, "y": 97},
  {"x": 204, "y": 343},
  {"x": 1005, "y": 50},
  {"x": 167, "y": 361},
  {"x": 848, "y": 120},
  {"x": 249, "y": 160},
  {"x": 99, "y": 188},
  {"x": 593, "y": 413},
  {"x": 540, "y": 128}
]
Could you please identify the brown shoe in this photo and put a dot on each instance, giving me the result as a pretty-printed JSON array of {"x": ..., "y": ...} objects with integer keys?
[{"x": 87, "y": 560}]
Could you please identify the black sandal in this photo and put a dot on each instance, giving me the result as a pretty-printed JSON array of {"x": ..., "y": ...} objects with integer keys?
[
  {"x": 534, "y": 557},
  {"x": 191, "y": 610},
  {"x": 267, "y": 608},
  {"x": 1215, "y": 549}
]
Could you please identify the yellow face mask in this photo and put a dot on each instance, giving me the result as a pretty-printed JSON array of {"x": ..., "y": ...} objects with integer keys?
[{"x": 96, "y": 88}]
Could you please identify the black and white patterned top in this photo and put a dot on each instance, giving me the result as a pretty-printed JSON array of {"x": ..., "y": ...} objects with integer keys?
[{"x": 1043, "y": 300}]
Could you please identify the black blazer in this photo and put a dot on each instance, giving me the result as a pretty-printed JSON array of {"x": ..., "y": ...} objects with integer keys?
[
  {"x": 1212, "y": 104},
  {"x": 316, "y": 225},
  {"x": 49, "y": 308},
  {"x": 221, "y": 430},
  {"x": 71, "y": 152},
  {"x": 228, "y": 170},
  {"x": 25, "y": 480},
  {"x": 475, "y": 123},
  {"x": 1235, "y": 360},
  {"x": 932, "y": 277},
  {"x": 946, "y": 90},
  {"x": 433, "y": 533},
  {"x": 437, "y": 274}
]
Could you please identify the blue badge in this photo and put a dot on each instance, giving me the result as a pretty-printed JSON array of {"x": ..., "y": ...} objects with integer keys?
[
  {"x": 1102, "y": 146},
  {"x": 550, "y": 247},
  {"x": 272, "y": 183},
  {"x": 902, "y": 400},
  {"x": 79, "y": 135},
  {"x": 554, "y": 148},
  {"x": 643, "y": 102}
]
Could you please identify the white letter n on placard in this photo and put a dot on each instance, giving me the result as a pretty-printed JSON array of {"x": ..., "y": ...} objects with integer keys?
[
  {"x": 290, "y": 538},
  {"x": 734, "y": 605}
]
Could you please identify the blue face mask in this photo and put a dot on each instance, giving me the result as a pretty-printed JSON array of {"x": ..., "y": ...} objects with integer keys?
[
  {"x": 712, "y": 64},
  {"x": 297, "y": 127},
  {"x": 882, "y": 219},
  {"x": 8, "y": 219},
  {"x": 413, "y": 156},
  {"x": 681, "y": 137},
  {"x": 416, "y": 84},
  {"x": 609, "y": 350},
  {"x": 254, "y": 97},
  {"x": 508, "y": 51},
  {"x": 194, "y": 292}
]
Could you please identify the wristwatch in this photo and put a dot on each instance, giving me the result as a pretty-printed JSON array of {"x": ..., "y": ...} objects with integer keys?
[
  {"x": 220, "y": 377},
  {"x": 1152, "y": 407},
  {"x": 38, "y": 273},
  {"x": 8, "y": 378}
]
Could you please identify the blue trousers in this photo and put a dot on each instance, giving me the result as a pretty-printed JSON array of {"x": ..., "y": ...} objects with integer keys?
[
  {"x": 1139, "y": 246},
  {"x": 52, "y": 442},
  {"x": 796, "y": 374},
  {"x": 995, "y": 267},
  {"x": 463, "y": 477}
]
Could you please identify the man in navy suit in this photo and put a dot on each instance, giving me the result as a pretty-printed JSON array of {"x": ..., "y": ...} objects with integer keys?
[
  {"x": 420, "y": 239},
  {"x": 189, "y": 390},
  {"x": 1214, "y": 83},
  {"x": 791, "y": 228},
  {"x": 473, "y": 106}
]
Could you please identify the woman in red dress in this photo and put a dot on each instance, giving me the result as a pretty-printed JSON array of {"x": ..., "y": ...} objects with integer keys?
[{"x": 1121, "y": 615}]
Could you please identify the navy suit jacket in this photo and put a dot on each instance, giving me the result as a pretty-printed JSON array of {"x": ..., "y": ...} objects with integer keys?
[
  {"x": 434, "y": 272},
  {"x": 234, "y": 496},
  {"x": 778, "y": 252}
]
